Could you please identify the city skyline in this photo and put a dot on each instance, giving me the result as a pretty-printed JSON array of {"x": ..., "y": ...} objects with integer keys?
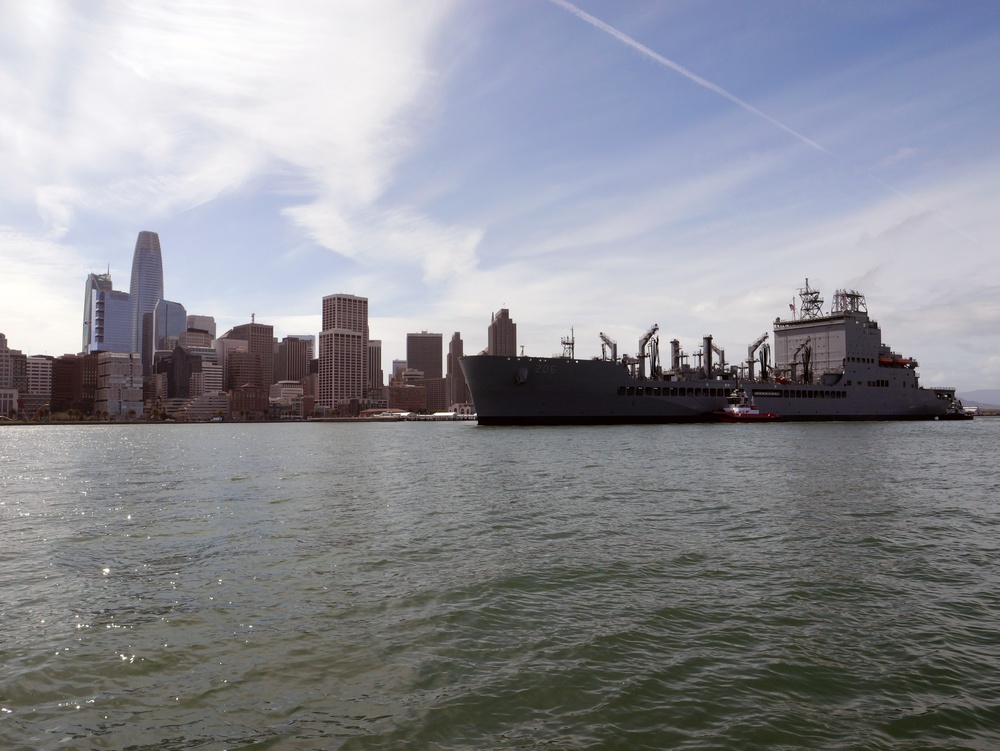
[{"x": 586, "y": 165}]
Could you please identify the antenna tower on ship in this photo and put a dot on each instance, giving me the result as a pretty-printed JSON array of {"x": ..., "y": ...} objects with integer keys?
[
  {"x": 569, "y": 346},
  {"x": 849, "y": 301},
  {"x": 812, "y": 303}
]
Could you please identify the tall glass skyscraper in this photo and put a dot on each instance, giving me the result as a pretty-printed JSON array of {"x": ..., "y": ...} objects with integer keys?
[
  {"x": 107, "y": 317},
  {"x": 146, "y": 288},
  {"x": 95, "y": 283},
  {"x": 169, "y": 322}
]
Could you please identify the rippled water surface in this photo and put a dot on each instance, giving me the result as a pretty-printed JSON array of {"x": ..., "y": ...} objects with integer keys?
[{"x": 449, "y": 586}]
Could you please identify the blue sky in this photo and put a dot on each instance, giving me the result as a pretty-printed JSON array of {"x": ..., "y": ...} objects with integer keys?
[{"x": 597, "y": 165}]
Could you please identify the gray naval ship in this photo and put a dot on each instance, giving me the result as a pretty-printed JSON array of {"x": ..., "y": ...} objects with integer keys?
[{"x": 826, "y": 366}]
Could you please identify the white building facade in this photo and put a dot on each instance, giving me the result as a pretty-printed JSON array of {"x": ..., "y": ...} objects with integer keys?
[{"x": 119, "y": 384}]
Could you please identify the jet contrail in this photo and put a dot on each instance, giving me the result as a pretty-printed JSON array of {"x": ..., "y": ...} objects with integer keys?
[{"x": 622, "y": 37}]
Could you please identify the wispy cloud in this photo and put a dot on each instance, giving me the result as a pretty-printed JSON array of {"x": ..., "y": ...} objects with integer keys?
[
  {"x": 163, "y": 106},
  {"x": 447, "y": 157}
]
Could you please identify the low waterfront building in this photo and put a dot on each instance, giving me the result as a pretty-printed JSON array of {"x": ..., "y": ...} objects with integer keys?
[
  {"x": 407, "y": 397},
  {"x": 8, "y": 403},
  {"x": 205, "y": 407},
  {"x": 249, "y": 402}
]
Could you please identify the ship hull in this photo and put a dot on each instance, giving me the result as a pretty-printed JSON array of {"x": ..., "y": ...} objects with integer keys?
[{"x": 563, "y": 391}]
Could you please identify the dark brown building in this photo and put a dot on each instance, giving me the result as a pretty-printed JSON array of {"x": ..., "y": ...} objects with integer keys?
[
  {"x": 74, "y": 383},
  {"x": 502, "y": 335},
  {"x": 291, "y": 361},
  {"x": 249, "y": 402},
  {"x": 424, "y": 353},
  {"x": 260, "y": 342},
  {"x": 457, "y": 389},
  {"x": 411, "y": 398}
]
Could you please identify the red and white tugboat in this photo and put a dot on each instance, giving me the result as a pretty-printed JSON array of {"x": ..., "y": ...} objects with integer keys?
[{"x": 741, "y": 408}]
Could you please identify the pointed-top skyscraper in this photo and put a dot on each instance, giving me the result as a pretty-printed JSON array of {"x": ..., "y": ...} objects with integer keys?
[{"x": 146, "y": 288}]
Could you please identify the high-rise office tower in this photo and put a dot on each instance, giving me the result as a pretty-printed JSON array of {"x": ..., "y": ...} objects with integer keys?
[
  {"x": 195, "y": 370},
  {"x": 374, "y": 380},
  {"x": 202, "y": 323},
  {"x": 95, "y": 283},
  {"x": 502, "y": 335},
  {"x": 107, "y": 316},
  {"x": 424, "y": 353},
  {"x": 169, "y": 322},
  {"x": 146, "y": 286},
  {"x": 343, "y": 349},
  {"x": 291, "y": 361},
  {"x": 226, "y": 348},
  {"x": 260, "y": 344},
  {"x": 195, "y": 338},
  {"x": 456, "y": 386},
  {"x": 310, "y": 340}
]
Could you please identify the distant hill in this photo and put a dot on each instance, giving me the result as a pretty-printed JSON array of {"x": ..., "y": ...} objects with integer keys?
[{"x": 981, "y": 398}]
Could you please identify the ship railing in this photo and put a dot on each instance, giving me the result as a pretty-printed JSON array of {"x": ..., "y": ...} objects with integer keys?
[{"x": 943, "y": 392}]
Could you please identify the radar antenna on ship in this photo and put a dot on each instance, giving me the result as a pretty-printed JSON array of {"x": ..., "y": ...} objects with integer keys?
[
  {"x": 849, "y": 301},
  {"x": 812, "y": 303}
]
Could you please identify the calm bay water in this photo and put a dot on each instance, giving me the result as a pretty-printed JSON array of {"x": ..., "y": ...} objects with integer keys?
[{"x": 448, "y": 586}]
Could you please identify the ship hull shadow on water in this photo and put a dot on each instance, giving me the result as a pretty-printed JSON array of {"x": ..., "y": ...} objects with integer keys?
[{"x": 827, "y": 366}]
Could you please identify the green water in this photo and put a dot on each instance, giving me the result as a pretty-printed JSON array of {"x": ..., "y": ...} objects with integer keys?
[{"x": 447, "y": 586}]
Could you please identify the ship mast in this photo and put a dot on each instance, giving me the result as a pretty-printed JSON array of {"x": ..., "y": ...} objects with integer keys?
[
  {"x": 812, "y": 303},
  {"x": 569, "y": 346}
]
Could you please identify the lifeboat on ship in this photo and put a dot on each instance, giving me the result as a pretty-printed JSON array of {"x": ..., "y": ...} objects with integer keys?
[{"x": 895, "y": 361}]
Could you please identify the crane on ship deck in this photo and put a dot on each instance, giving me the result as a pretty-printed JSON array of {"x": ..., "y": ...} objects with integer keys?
[
  {"x": 806, "y": 351},
  {"x": 608, "y": 344},
  {"x": 652, "y": 344},
  {"x": 751, "y": 352}
]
